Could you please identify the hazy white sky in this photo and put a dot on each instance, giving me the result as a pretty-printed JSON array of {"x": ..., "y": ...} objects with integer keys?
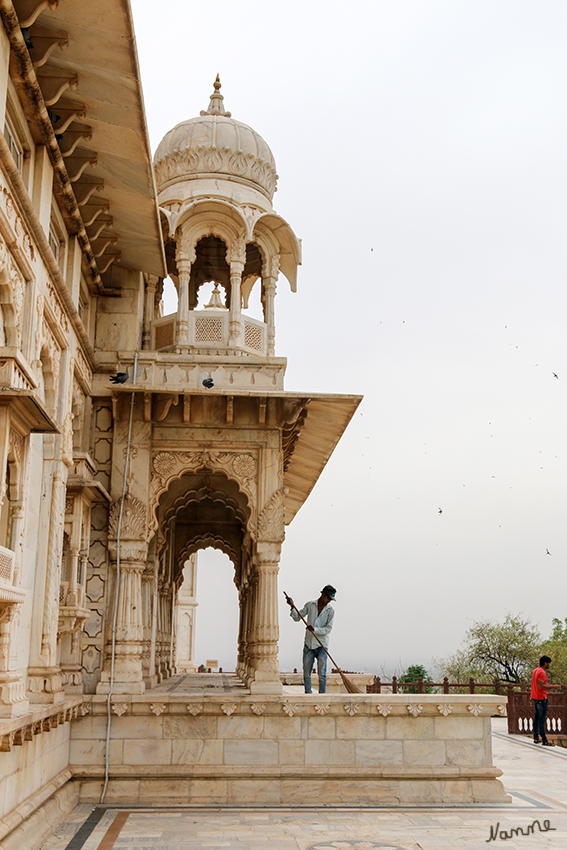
[{"x": 421, "y": 153}]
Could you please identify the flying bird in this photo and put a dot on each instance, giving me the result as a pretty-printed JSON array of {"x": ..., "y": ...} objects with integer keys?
[
  {"x": 119, "y": 378},
  {"x": 547, "y": 552},
  {"x": 440, "y": 511},
  {"x": 555, "y": 375}
]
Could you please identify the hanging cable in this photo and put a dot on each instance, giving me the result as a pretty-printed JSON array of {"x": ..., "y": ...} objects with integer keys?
[{"x": 118, "y": 580}]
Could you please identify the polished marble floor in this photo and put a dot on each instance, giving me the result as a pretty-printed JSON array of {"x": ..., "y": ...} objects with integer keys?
[{"x": 536, "y": 778}]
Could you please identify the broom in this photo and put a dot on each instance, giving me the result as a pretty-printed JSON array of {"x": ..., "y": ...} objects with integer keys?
[{"x": 350, "y": 687}]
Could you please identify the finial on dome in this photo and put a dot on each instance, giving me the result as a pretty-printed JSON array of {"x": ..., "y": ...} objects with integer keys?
[{"x": 216, "y": 103}]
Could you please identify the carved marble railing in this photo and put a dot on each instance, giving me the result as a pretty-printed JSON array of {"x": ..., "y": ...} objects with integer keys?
[
  {"x": 15, "y": 373},
  {"x": 9, "y": 595},
  {"x": 209, "y": 329}
]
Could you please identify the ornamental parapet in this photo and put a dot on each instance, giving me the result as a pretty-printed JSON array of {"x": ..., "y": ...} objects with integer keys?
[
  {"x": 209, "y": 330},
  {"x": 16, "y": 732},
  {"x": 294, "y": 749},
  {"x": 185, "y": 373}
]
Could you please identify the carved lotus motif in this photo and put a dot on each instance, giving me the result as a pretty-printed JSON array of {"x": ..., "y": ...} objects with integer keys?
[
  {"x": 384, "y": 709},
  {"x": 195, "y": 708},
  {"x": 258, "y": 708},
  {"x": 158, "y": 708},
  {"x": 323, "y": 708},
  {"x": 502, "y": 710},
  {"x": 351, "y": 708},
  {"x": 414, "y": 708},
  {"x": 445, "y": 709},
  {"x": 213, "y": 160},
  {"x": 120, "y": 708},
  {"x": 229, "y": 708},
  {"x": 164, "y": 464},
  {"x": 475, "y": 709},
  {"x": 290, "y": 708},
  {"x": 244, "y": 466}
]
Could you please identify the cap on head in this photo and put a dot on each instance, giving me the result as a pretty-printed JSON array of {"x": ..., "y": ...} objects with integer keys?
[{"x": 329, "y": 591}]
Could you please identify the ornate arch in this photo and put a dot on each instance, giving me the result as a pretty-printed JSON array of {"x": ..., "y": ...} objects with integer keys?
[
  {"x": 207, "y": 210},
  {"x": 220, "y": 226},
  {"x": 271, "y": 226},
  {"x": 208, "y": 541},
  {"x": 238, "y": 466}
]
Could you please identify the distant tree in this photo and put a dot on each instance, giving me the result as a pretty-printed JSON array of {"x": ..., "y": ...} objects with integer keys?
[
  {"x": 459, "y": 668},
  {"x": 556, "y": 648},
  {"x": 507, "y": 651},
  {"x": 412, "y": 674}
]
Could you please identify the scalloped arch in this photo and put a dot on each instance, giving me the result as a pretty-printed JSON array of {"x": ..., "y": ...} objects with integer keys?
[{"x": 184, "y": 464}]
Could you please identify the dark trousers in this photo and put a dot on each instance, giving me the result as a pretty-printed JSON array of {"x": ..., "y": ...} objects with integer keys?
[{"x": 540, "y": 714}]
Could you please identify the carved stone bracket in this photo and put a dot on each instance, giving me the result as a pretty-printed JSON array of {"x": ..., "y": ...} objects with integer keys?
[
  {"x": 271, "y": 520},
  {"x": 134, "y": 520},
  {"x": 28, "y": 731}
]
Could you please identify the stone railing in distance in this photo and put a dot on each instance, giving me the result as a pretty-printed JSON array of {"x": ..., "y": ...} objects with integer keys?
[{"x": 444, "y": 687}]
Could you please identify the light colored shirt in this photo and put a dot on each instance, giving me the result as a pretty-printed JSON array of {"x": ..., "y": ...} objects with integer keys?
[{"x": 322, "y": 623}]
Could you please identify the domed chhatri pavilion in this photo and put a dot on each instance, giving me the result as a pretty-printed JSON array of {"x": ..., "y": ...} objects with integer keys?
[
  {"x": 216, "y": 178},
  {"x": 130, "y": 440}
]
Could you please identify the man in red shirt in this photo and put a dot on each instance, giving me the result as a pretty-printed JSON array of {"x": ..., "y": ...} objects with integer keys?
[{"x": 539, "y": 690}]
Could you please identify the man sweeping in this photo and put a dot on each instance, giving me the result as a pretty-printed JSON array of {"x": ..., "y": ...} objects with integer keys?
[{"x": 318, "y": 616}]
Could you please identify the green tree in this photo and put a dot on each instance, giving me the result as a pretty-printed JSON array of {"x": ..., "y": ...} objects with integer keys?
[
  {"x": 507, "y": 651},
  {"x": 556, "y": 648},
  {"x": 459, "y": 668},
  {"x": 412, "y": 674}
]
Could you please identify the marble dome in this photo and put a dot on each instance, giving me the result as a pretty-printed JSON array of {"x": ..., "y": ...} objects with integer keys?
[{"x": 215, "y": 145}]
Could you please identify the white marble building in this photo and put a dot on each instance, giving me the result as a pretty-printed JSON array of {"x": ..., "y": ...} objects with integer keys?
[{"x": 110, "y": 488}]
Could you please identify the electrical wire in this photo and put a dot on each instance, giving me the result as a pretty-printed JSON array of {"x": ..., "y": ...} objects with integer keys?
[{"x": 118, "y": 581}]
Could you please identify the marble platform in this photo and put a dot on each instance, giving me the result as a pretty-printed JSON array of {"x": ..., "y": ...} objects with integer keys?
[
  {"x": 205, "y": 740},
  {"x": 535, "y": 779}
]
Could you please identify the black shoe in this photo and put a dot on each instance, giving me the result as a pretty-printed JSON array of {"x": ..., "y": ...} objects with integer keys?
[
  {"x": 547, "y": 744},
  {"x": 536, "y": 740}
]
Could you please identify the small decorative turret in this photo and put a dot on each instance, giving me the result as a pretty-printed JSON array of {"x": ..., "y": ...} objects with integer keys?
[
  {"x": 216, "y": 106},
  {"x": 216, "y": 302}
]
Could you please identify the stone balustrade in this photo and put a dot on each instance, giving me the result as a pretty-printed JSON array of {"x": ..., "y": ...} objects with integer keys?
[
  {"x": 209, "y": 330},
  {"x": 336, "y": 749}
]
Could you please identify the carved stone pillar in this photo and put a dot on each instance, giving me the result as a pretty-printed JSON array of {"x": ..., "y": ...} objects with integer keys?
[
  {"x": 249, "y": 627},
  {"x": 266, "y": 676},
  {"x": 184, "y": 270},
  {"x": 127, "y": 544},
  {"x": 128, "y": 673},
  {"x": 45, "y": 683},
  {"x": 149, "y": 308},
  {"x": 154, "y": 626},
  {"x": 241, "y": 654},
  {"x": 237, "y": 260},
  {"x": 185, "y": 609},
  {"x": 147, "y": 595},
  {"x": 269, "y": 281}
]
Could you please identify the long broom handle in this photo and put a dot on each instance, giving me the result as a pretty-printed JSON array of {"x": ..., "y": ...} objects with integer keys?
[{"x": 314, "y": 635}]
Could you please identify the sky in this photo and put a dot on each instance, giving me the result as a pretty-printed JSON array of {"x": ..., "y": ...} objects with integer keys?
[{"x": 420, "y": 148}]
